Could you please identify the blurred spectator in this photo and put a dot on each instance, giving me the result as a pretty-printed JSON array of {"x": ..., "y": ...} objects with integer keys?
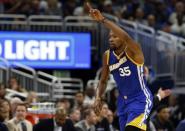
[
  {"x": 79, "y": 100},
  {"x": 149, "y": 7},
  {"x": 104, "y": 110},
  {"x": 129, "y": 8},
  {"x": 19, "y": 123},
  {"x": 81, "y": 11},
  {"x": 32, "y": 97},
  {"x": 59, "y": 123},
  {"x": 5, "y": 110},
  {"x": 139, "y": 16},
  {"x": 87, "y": 124},
  {"x": 179, "y": 10},
  {"x": 117, "y": 7},
  {"x": 108, "y": 7},
  {"x": 54, "y": 8},
  {"x": 110, "y": 118},
  {"x": 161, "y": 12},
  {"x": 161, "y": 94},
  {"x": 89, "y": 96},
  {"x": 43, "y": 6},
  {"x": 68, "y": 8},
  {"x": 14, "y": 102},
  {"x": 75, "y": 115},
  {"x": 3, "y": 127},
  {"x": 102, "y": 121},
  {"x": 175, "y": 110},
  {"x": 14, "y": 84},
  {"x": 78, "y": 11},
  {"x": 2, "y": 91},
  {"x": 65, "y": 103},
  {"x": 178, "y": 27},
  {"x": 151, "y": 21},
  {"x": 34, "y": 9},
  {"x": 161, "y": 121}
]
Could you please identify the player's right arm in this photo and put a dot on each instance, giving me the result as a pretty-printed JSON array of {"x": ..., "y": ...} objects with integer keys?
[
  {"x": 104, "y": 76},
  {"x": 102, "y": 83}
]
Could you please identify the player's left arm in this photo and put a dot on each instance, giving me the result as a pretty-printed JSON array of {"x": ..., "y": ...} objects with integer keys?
[{"x": 133, "y": 49}]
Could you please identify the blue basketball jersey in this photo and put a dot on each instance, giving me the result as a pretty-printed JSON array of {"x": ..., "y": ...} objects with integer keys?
[
  {"x": 128, "y": 75},
  {"x": 134, "y": 102}
]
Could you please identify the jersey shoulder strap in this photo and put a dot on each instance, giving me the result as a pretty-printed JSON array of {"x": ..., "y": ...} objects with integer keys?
[{"x": 107, "y": 53}]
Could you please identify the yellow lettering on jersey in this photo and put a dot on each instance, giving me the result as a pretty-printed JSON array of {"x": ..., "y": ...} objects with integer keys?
[{"x": 117, "y": 65}]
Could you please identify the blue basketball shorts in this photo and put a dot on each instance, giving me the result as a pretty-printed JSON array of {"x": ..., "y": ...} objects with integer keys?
[{"x": 134, "y": 111}]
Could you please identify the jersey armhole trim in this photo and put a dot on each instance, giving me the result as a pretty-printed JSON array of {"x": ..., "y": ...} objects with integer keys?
[
  {"x": 107, "y": 56},
  {"x": 133, "y": 60}
]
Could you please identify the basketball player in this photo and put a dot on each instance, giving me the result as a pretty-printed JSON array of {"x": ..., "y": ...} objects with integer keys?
[{"x": 125, "y": 61}]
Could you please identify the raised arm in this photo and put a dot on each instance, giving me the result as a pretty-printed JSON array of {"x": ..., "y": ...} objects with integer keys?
[
  {"x": 96, "y": 15},
  {"x": 133, "y": 49}
]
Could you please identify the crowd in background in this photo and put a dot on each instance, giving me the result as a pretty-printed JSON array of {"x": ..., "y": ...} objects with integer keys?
[
  {"x": 166, "y": 15},
  {"x": 78, "y": 115}
]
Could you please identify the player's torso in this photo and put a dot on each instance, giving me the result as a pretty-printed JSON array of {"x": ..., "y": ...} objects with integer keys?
[{"x": 128, "y": 76}]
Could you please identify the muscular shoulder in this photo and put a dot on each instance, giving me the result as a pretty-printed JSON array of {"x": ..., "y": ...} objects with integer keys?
[{"x": 135, "y": 54}]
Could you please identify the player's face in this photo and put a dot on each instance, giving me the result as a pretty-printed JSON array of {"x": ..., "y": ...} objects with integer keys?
[{"x": 114, "y": 41}]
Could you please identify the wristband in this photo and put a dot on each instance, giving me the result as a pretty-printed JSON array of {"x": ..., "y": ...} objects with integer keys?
[{"x": 103, "y": 20}]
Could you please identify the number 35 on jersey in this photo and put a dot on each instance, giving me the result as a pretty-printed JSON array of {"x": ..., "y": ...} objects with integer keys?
[{"x": 124, "y": 71}]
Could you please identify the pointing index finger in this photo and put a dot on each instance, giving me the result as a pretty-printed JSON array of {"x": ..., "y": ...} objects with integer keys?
[{"x": 89, "y": 6}]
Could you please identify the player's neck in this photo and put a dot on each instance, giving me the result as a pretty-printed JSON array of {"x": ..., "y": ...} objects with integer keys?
[{"x": 120, "y": 50}]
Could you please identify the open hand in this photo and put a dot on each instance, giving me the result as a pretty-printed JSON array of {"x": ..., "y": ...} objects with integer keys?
[{"x": 164, "y": 93}]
